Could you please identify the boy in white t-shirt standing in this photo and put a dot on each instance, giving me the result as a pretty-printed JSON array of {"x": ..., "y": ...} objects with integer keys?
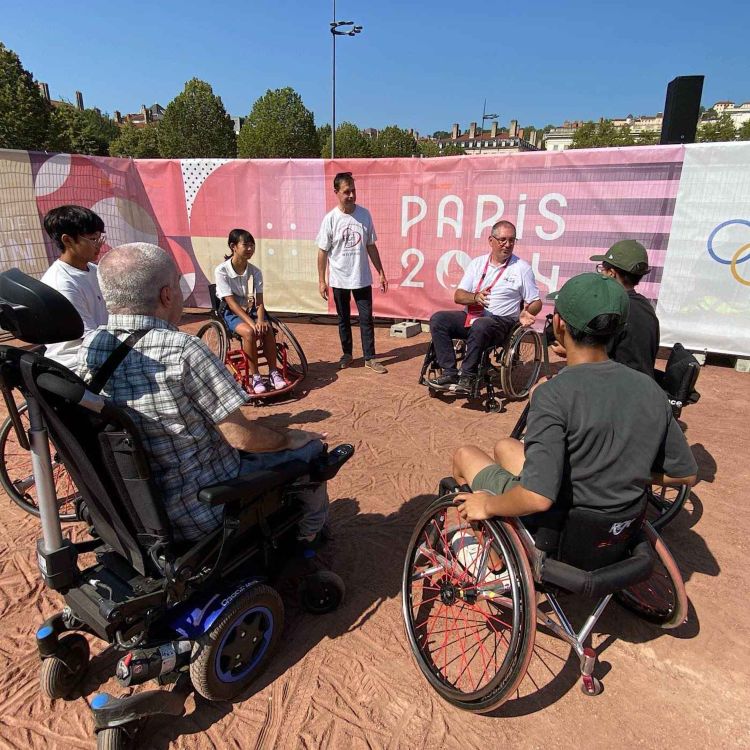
[
  {"x": 346, "y": 239},
  {"x": 79, "y": 234}
]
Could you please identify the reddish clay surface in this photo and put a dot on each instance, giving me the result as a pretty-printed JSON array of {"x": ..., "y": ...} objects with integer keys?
[{"x": 347, "y": 680}]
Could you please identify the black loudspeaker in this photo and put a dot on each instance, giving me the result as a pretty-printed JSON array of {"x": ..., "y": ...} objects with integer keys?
[{"x": 681, "y": 109}]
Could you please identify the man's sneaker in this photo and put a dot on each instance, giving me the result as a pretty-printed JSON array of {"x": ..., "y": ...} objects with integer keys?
[
  {"x": 464, "y": 385},
  {"x": 345, "y": 361},
  {"x": 375, "y": 366},
  {"x": 258, "y": 385},
  {"x": 277, "y": 381},
  {"x": 443, "y": 383}
]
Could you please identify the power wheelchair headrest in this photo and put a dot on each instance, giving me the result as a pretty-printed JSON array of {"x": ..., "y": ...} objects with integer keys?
[{"x": 34, "y": 312}]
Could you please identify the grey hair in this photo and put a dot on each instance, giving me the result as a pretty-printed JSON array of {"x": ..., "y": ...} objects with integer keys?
[
  {"x": 132, "y": 276},
  {"x": 503, "y": 223}
]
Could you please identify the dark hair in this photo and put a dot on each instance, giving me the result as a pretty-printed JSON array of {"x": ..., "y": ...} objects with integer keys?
[
  {"x": 342, "y": 177},
  {"x": 605, "y": 327},
  {"x": 238, "y": 235},
  {"x": 629, "y": 279},
  {"x": 71, "y": 220}
]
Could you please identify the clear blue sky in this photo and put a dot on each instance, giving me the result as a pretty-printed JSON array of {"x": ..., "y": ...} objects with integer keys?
[{"x": 417, "y": 64}]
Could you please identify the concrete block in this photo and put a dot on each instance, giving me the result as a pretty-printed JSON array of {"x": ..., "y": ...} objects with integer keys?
[
  {"x": 742, "y": 365},
  {"x": 425, "y": 327},
  {"x": 701, "y": 357},
  {"x": 405, "y": 330}
]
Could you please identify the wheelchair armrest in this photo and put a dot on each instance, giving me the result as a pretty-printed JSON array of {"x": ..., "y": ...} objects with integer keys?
[
  {"x": 327, "y": 465},
  {"x": 249, "y": 487}
]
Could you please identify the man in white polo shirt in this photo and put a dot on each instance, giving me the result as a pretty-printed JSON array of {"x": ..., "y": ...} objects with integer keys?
[
  {"x": 345, "y": 242},
  {"x": 497, "y": 289}
]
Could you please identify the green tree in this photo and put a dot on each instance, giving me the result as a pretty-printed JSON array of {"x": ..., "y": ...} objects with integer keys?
[
  {"x": 394, "y": 141},
  {"x": 743, "y": 132},
  {"x": 324, "y": 135},
  {"x": 452, "y": 149},
  {"x": 196, "y": 125},
  {"x": 351, "y": 142},
  {"x": 648, "y": 138},
  {"x": 82, "y": 131},
  {"x": 441, "y": 134},
  {"x": 601, "y": 135},
  {"x": 279, "y": 126},
  {"x": 138, "y": 143},
  {"x": 24, "y": 113},
  {"x": 428, "y": 149},
  {"x": 721, "y": 129}
]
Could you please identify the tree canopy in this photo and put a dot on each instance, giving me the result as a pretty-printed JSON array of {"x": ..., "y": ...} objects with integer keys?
[
  {"x": 196, "y": 125},
  {"x": 351, "y": 142},
  {"x": 602, "y": 134},
  {"x": 138, "y": 143},
  {"x": 743, "y": 132},
  {"x": 720, "y": 129},
  {"x": 279, "y": 126},
  {"x": 394, "y": 141},
  {"x": 24, "y": 113},
  {"x": 81, "y": 131}
]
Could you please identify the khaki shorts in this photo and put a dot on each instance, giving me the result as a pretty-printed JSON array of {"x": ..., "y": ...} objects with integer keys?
[{"x": 495, "y": 479}]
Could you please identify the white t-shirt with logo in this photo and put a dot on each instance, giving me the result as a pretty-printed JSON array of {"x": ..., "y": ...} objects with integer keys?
[
  {"x": 81, "y": 288},
  {"x": 345, "y": 238},
  {"x": 516, "y": 284},
  {"x": 229, "y": 283}
]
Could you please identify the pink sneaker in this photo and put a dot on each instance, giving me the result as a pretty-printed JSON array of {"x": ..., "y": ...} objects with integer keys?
[
  {"x": 258, "y": 385},
  {"x": 277, "y": 381}
]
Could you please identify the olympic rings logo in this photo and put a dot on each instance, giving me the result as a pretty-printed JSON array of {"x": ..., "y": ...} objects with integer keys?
[{"x": 735, "y": 260}]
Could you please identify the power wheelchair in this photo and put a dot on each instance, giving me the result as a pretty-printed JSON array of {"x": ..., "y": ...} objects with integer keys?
[
  {"x": 513, "y": 367},
  {"x": 288, "y": 358},
  {"x": 199, "y": 613},
  {"x": 470, "y": 592}
]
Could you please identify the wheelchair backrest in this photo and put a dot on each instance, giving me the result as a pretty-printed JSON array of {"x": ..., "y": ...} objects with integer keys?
[
  {"x": 592, "y": 539},
  {"x": 681, "y": 375},
  {"x": 215, "y": 301}
]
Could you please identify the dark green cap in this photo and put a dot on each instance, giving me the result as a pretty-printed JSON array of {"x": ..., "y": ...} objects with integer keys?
[
  {"x": 626, "y": 255},
  {"x": 584, "y": 297}
]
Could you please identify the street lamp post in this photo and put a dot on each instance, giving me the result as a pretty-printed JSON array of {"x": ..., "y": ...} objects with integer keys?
[
  {"x": 338, "y": 28},
  {"x": 484, "y": 117}
]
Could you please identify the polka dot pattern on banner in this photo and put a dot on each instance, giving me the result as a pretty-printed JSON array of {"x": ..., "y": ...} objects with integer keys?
[{"x": 194, "y": 174}]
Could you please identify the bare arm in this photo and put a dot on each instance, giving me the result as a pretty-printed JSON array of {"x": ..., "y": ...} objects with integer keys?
[
  {"x": 462, "y": 297},
  {"x": 670, "y": 481},
  {"x": 322, "y": 266},
  {"x": 533, "y": 307},
  {"x": 372, "y": 251},
  {"x": 246, "y": 435},
  {"x": 478, "y": 506}
]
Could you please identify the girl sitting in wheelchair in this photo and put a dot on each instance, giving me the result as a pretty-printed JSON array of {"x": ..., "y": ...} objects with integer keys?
[{"x": 243, "y": 312}]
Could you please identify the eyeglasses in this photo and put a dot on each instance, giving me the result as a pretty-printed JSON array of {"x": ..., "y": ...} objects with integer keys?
[
  {"x": 504, "y": 240},
  {"x": 96, "y": 241}
]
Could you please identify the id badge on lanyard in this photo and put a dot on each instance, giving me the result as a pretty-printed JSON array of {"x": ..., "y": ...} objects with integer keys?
[{"x": 475, "y": 311}]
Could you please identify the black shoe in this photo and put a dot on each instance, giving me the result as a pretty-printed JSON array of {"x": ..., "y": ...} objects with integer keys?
[
  {"x": 345, "y": 361},
  {"x": 443, "y": 383},
  {"x": 465, "y": 385}
]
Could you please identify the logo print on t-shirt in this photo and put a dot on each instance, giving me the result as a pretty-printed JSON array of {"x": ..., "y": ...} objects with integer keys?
[{"x": 352, "y": 237}]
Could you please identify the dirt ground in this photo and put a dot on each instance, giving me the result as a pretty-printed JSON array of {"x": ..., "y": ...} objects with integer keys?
[{"x": 347, "y": 680}]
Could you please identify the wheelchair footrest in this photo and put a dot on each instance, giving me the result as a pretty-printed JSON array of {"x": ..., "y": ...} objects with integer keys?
[{"x": 114, "y": 712}]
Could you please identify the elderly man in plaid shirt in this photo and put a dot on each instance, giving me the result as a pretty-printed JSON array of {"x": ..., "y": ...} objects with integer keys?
[{"x": 182, "y": 398}]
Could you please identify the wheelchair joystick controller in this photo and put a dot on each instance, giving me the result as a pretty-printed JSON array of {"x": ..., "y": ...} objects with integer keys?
[{"x": 140, "y": 665}]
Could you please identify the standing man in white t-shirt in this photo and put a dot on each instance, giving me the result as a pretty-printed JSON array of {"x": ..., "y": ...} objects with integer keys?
[
  {"x": 498, "y": 290},
  {"x": 345, "y": 241},
  {"x": 79, "y": 235}
]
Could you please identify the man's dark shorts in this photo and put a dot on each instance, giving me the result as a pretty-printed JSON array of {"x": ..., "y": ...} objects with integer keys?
[{"x": 494, "y": 479}]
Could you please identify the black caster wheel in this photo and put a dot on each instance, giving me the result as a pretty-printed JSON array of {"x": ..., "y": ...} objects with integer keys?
[
  {"x": 321, "y": 592},
  {"x": 592, "y": 686},
  {"x": 493, "y": 405},
  {"x": 60, "y": 674},
  {"x": 112, "y": 738}
]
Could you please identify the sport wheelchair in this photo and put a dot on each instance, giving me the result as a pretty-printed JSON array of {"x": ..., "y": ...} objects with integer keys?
[
  {"x": 469, "y": 592},
  {"x": 181, "y": 612},
  {"x": 512, "y": 367},
  {"x": 289, "y": 358}
]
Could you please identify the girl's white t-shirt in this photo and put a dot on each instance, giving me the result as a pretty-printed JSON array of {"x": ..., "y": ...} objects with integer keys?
[{"x": 229, "y": 283}]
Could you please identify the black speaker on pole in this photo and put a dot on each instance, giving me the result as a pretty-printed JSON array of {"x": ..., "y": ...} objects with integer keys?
[{"x": 681, "y": 109}]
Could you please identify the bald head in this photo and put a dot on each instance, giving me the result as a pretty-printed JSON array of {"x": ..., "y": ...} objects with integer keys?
[{"x": 133, "y": 276}]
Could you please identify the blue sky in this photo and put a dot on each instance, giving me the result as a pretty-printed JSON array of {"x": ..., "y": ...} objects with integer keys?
[{"x": 424, "y": 65}]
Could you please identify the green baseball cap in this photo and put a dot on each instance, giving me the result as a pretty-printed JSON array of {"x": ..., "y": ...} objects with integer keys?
[
  {"x": 584, "y": 297},
  {"x": 626, "y": 255}
]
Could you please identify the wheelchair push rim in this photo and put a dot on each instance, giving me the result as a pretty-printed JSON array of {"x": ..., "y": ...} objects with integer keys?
[
  {"x": 214, "y": 336},
  {"x": 522, "y": 363},
  {"x": 471, "y": 628},
  {"x": 665, "y": 503}
]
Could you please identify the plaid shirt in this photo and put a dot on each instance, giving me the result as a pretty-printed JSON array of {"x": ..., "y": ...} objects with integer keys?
[{"x": 176, "y": 391}]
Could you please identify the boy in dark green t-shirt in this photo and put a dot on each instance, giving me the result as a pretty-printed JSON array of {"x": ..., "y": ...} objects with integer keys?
[{"x": 597, "y": 434}]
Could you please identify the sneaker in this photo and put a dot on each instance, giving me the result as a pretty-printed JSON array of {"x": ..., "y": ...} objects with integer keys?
[
  {"x": 443, "y": 383},
  {"x": 465, "y": 385},
  {"x": 375, "y": 366},
  {"x": 277, "y": 381},
  {"x": 258, "y": 385},
  {"x": 345, "y": 361}
]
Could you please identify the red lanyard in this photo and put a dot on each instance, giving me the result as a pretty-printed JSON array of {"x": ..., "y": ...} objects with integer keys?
[{"x": 497, "y": 278}]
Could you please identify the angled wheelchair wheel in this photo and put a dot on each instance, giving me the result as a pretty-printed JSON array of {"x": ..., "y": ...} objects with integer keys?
[
  {"x": 238, "y": 645},
  {"x": 522, "y": 362},
  {"x": 17, "y": 474},
  {"x": 322, "y": 592},
  {"x": 469, "y": 607},
  {"x": 214, "y": 336},
  {"x": 60, "y": 674},
  {"x": 661, "y": 598},
  {"x": 112, "y": 738},
  {"x": 665, "y": 503},
  {"x": 290, "y": 359}
]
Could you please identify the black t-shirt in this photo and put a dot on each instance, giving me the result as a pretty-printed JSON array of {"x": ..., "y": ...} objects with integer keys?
[
  {"x": 638, "y": 343},
  {"x": 596, "y": 432}
]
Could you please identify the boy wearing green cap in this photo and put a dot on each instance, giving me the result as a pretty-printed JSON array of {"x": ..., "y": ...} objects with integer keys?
[{"x": 597, "y": 434}]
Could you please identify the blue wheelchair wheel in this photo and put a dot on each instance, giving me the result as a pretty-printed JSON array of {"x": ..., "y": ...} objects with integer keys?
[{"x": 238, "y": 645}]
